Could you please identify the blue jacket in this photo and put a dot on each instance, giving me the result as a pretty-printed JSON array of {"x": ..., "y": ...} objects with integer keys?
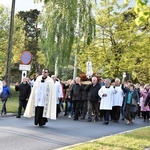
[{"x": 5, "y": 93}]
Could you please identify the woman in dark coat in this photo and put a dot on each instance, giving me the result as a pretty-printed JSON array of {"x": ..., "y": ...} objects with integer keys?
[
  {"x": 131, "y": 101},
  {"x": 76, "y": 95}
]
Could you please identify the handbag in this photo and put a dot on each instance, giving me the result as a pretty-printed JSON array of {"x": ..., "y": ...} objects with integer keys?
[{"x": 133, "y": 102}]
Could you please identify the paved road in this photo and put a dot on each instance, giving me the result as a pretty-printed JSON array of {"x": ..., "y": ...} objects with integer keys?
[{"x": 21, "y": 134}]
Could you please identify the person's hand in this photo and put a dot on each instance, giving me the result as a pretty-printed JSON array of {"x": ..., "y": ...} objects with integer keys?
[
  {"x": 116, "y": 91},
  {"x": 126, "y": 84},
  {"x": 17, "y": 84},
  {"x": 104, "y": 95},
  {"x": 60, "y": 98},
  {"x": 124, "y": 75}
]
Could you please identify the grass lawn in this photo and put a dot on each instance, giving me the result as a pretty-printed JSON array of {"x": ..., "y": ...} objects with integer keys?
[
  {"x": 135, "y": 140},
  {"x": 12, "y": 103}
]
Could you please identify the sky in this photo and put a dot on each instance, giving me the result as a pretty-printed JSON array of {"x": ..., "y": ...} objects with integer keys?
[
  {"x": 25, "y": 5},
  {"x": 22, "y": 5}
]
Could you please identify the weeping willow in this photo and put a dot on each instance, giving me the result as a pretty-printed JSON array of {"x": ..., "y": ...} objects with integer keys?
[{"x": 63, "y": 22}]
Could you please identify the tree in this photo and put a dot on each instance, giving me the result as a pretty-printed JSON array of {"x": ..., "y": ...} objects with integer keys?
[
  {"x": 118, "y": 47},
  {"x": 32, "y": 33},
  {"x": 142, "y": 11},
  {"x": 64, "y": 22},
  {"x": 18, "y": 40},
  {"x": 4, "y": 31}
]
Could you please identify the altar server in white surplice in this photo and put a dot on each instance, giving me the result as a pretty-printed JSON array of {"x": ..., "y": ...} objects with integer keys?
[
  {"x": 106, "y": 93},
  {"x": 117, "y": 101},
  {"x": 42, "y": 100}
]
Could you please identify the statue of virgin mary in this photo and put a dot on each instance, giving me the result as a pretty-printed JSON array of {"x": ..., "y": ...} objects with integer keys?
[{"x": 89, "y": 71}]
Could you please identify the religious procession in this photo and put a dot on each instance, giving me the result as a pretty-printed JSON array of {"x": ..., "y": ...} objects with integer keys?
[
  {"x": 72, "y": 71},
  {"x": 87, "y": 97}
]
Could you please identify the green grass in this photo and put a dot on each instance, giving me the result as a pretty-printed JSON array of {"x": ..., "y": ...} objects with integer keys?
[
  {"x": 135, "y": 140},
  {"x": 12, "y": 103}
]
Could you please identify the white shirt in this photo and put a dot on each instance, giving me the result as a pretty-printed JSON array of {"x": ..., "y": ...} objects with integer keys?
[{"x": 58, "y": 89}]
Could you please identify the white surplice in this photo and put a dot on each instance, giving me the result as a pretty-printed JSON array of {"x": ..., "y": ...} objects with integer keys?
[
  {"x": 106, "y": 102},
  {"x": 118, "y": 97}
]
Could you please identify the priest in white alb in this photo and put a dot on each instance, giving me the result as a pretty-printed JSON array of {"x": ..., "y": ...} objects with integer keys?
[{"x": 42, "y": 101}]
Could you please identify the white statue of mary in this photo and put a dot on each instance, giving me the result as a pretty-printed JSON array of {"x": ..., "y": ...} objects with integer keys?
[{"x": 89, "y": 71}]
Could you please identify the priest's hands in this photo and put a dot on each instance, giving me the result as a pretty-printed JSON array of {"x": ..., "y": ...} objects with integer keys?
[{"x": 104, "y": 95}]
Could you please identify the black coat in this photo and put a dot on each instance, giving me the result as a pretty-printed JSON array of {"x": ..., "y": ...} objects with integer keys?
[
  {"x": 76, "y": 92},
  {"x": 24, "y": 91},
  {"x": 84, "y": 93},
  {"x": 93, "y": 92}
]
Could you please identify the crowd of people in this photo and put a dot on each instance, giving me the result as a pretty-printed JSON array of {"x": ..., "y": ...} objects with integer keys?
[
  {"x": 95, "y": 100},
  {"x": 106, "y": 100}
]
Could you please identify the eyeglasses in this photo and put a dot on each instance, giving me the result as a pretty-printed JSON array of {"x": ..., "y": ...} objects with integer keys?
[{"x": 45, "y": 72}]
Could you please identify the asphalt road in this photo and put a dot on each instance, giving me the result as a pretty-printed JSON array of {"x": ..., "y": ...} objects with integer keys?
[{"x": 22, "y": 134}]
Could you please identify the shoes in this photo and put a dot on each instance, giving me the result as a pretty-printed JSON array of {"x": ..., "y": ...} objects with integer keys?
[
  {"x": 82, "y": 118},
  {"x": 69, "y": 116},
  {"x": 75, "y": 119},
  {"x": 106, "y": 122},
  {"x": 122, "y": 119},
  {"x": 89, "y": 120},
  {"x": 128, "y": 122},
  {"x": 117, "y": 121},
  {"x": 18, "y": 117},
  {"x": 132, "y": 121},
  {"x": 96, "y": 119},
  {"x": 65, "y": 114}
]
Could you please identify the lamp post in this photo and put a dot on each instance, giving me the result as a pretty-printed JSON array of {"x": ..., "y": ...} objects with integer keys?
[{"x": 8, "y": 67}]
